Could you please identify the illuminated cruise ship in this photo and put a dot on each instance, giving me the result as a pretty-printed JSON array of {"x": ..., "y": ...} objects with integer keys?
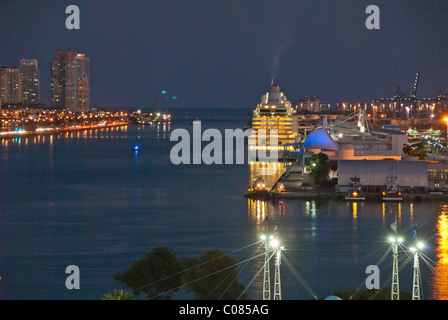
[{"x": 274, "y": 112}]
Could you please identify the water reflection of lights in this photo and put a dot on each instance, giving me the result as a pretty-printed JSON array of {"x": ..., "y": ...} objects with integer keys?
[
  {"x": 282, "y": 208},
  {"x": 310, "y": 208},
  {"x": 440, "y": 281},
  {"x": 257, "y": 211},
  {"x": 355, "y": 216},
  {"x": 163, "y": 130},
  {"x": 136, "y": 155},
  {"x": 354, "y": 208},
  {"x": 393, "y": 209},
  {"x": 269, "y": 180}
]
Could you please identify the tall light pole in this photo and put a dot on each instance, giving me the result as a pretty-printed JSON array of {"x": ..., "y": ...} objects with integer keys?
[
  {"x": 395, "y": 291},
  {"x": 267, "y": 276},
  {"x": 271, "y": 243},
  {"x": 446, "y": 120},
  {"x": 416, "y": 277},
  {"x": 277, "y": 280}
]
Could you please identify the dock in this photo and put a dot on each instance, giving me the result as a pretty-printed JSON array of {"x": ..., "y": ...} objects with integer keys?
[{"x": 291, "y": 186}]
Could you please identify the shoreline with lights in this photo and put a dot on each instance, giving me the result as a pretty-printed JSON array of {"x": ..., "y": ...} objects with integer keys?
[
  {"x": 28, "y": 122},
  {"x": 50, "y": 131}
]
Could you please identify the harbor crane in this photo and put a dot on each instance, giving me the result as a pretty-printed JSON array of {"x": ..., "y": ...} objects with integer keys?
[
  {"x": 413, "y": 90},
  {"x": 399, "y": 96}
]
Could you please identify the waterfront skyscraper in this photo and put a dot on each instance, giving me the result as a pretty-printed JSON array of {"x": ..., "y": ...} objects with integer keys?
[
  {"x": 70, "y": 87},
  {"x": 3, "y": 82},
  {"x": 10, "y": 86},
  {"x": 29, "y": 71}
]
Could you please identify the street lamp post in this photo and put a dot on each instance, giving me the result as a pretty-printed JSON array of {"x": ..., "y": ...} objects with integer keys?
[{"x": 446, "y": 120}]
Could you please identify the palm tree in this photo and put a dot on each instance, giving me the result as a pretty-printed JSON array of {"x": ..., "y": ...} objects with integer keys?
[
  {"x": 407, "y": 149},
  {"x": 119, "y": 295},
  {"x": 416, "y": 151}
]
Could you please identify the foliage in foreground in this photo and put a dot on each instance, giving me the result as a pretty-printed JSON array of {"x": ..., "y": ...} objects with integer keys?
[
  {"x": 119, "y": 295},
  {"x": 161, "y": 273},
  {"x": 217, "y": 276},
  {"x": 157, "y": 274}
]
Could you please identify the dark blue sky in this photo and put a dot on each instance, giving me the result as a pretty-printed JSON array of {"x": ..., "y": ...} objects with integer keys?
[{"x": 212, "y": 53}]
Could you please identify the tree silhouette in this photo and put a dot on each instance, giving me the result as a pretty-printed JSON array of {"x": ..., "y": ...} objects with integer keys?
[
  {"x": 212, "y": 277},
  {"x": 119, "y": 295},
  {"x": 320, "y": 167},
  {"x": 158, "y": 274}
]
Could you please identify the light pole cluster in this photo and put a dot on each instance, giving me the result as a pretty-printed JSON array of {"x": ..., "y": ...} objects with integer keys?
[
  {"x": 272, "y": 244},
  {"x": 395, "y": 289}
]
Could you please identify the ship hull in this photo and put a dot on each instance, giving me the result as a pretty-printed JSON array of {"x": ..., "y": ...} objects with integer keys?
[
  {"x": 259, "y": 194},
  {"x": 392, "y": 197},
  {"x": 348, "y": 198}
]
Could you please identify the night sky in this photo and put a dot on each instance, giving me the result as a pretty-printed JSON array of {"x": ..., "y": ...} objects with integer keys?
[{"x": 212, "y": 53}]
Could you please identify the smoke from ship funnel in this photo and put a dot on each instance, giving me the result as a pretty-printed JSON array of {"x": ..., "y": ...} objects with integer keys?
[{"x": 276, "y": 59}]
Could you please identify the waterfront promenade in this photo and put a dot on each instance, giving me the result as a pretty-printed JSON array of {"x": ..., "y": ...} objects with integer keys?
[{"x": 49, "y": 131}]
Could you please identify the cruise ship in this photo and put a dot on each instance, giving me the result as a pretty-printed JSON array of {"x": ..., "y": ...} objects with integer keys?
[{"x": 274, "y": 112}]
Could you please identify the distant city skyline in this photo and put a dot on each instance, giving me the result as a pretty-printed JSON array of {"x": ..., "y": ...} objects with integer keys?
[
  {"x": 213, "y": 54},
  {"x": 20, "y": 85}
]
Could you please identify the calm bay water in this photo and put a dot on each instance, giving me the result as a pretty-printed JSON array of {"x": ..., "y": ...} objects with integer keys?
[{"x": 87, "y": 199}]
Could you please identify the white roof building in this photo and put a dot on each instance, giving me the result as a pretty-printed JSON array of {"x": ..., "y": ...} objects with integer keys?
[{"x": 344, "y": 140}]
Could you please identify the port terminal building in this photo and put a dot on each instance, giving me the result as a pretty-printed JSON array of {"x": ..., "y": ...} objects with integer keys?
[
  {"x": 412, "y": 176},
  {"x": 347, "y": 140},
  {"x": 368, "y": 153}
]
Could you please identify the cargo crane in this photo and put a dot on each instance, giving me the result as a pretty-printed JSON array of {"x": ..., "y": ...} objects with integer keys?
[
  {"x": 399, "y": 98},
  {"x": 413, "y": 93},
  {"x": 439, "y": 100}
]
